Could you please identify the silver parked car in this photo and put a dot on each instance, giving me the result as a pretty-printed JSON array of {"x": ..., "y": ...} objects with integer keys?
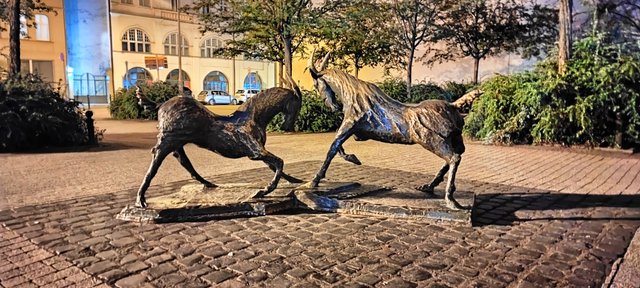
[{"x": 213, "y": 97}]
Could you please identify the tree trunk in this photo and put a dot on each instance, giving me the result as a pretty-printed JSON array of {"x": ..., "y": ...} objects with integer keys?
[
  {"x": 409, "y": 72},
  {"x": 287, "y": 57},
  {"x": 565, "y": 18},
  {"x": 14, "y": 37},
  {"x": 476, "y": 65},
  {"x": 356, "y": 66},
  {"x": 280, "y": 75}
]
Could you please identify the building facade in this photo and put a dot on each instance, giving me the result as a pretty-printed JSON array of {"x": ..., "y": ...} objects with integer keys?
[
  {"x": 145, "y": 47},
  {"x": 42, "y": 46}
]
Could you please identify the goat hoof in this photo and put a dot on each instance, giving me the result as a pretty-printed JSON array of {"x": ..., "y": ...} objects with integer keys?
[
  {"x": 291, "y": 179},
  {"x": 309, "y": 185},
  {"x": 353, "y": 159},
  {"x": 260, "y": 194},
  {"x": 426, "y": 189},
  {"x": 209, "y": 185},
  {"x": 141, "y": 203},
  {"x": 454, "y": 205}
]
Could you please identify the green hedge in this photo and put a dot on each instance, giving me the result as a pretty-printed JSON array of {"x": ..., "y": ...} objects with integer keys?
[
  {"x": 449, "y": 91},
  {"x": 596, "y": 100},
  {"x": 125, "y": 104},
  {"x": 33, "y": 115},
  {"x": 314, "y": 116}
]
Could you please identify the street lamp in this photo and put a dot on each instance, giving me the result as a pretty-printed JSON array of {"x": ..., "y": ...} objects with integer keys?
[{"x": 180, "y": 83}]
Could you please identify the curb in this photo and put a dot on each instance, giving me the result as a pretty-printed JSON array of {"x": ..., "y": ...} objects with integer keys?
[{"x": 626, "y": 270}]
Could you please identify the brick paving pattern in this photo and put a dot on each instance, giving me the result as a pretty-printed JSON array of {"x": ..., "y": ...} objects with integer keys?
[{"x": 530, "y": 230}]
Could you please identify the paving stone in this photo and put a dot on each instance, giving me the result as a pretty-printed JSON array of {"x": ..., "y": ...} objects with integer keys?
[
  {"x": 158, "y": 271},
  {"x": 548, "y": 241},
  {"x": 218, "y": 276},
  {"x": 135, "y": 280}
]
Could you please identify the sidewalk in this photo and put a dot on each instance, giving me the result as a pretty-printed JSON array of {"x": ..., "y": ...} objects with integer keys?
[{"x": 545, "y": 217}]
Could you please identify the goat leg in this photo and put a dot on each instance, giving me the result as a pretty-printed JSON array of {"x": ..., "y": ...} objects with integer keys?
[
  {"x": 429, "y": 187},
  {"x": 181, "y": 155},
  {"x": 344, "y": 133},
  {"x": 349, "y": 157},
  {"x": 271, "y": 161},
  {"x": 448, "y": 196},
  {"x": 286, "y": 176},
  {"x": 159, "y": 153}
]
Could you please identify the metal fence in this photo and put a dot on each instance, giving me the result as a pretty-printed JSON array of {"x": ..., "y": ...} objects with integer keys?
[{"x": 89, "y": 88}]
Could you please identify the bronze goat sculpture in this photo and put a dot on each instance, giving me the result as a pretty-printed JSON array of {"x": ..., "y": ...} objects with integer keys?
[
  {"x": 369, "y": 114},
  {"x": 183, "y": 120}
]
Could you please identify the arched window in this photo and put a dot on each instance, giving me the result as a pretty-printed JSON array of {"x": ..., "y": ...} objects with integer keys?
[
  {"x": 136, "y": 40},
  {"x": 42, "y": 27},
  {"x": 215, "y": 80},
  {"x": 172, "y": 78},
  {"x": 135, "y": 76},
  {"x": 252, "y": 81},
  {"x": 209, "y": 45},
  {"x": 171, "y": 45}
]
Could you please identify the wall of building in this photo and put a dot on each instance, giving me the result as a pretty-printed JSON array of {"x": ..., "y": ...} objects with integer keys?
[
  {"x": 158, "y": 24},
  {"x": 37, "y": 53}
]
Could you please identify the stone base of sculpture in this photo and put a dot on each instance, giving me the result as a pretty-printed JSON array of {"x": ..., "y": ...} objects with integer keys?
[{"x": 194, "y": 202}]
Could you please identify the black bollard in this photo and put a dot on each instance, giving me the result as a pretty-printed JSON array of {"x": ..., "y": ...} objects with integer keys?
[{"x": 90, "y": 128}]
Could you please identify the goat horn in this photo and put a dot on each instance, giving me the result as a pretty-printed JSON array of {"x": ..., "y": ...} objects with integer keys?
[
  {"x": 325, "y": 60},
  {"x": 311, "y": 66}
]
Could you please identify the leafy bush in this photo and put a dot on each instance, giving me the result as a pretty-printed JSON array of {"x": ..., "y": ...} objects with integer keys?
[
  {"x": 125, "y": 105},
  {"x": 456, "y": 89},
  {"x": 314, "y": 116},
  {"x": 397, "y": 89},
  {"x": 595, "y": 103},
  {"x": 32, "y": 115}
]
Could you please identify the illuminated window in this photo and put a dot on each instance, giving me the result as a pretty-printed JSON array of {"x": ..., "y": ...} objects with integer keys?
[
  {"x": 137, "y": 75},
  {"x": 135, "y": 40},
  {"x": 42, "y": 27},
  {"x": 172, "y": 78},
  {"x": 252, "y": 82},
  {"x": 208, "y": 47},
  {"x": 215, "y": 80},
  {"x": 171, "y": 45},
  {"x": 145, "y": 3}
]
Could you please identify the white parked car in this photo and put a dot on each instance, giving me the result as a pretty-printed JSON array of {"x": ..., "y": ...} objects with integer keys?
[
  {"x": 213, "y": 97},
  {"x": 242, "y": 96},
  {"x": 250, "y": 93}
]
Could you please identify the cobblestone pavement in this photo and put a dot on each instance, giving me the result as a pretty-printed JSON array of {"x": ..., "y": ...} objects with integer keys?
[{"x": 525, "y": 235}]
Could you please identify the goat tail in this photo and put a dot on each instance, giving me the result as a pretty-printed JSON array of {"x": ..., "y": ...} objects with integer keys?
[
  {"x": 467, "y": 99},
  {"x": 144, "y": 102}
]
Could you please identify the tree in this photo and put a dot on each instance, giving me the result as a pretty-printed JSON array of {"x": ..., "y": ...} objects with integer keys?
[
  {"x": 620, "y": 17},
  {"x": 478, "y": 29},
  {"x": 271, "y": 29},
  {"x": 355, "y": 34},
  {"x": 416, "y": 24},
  {"x": 565, "y": 18},
  {"x": 11, "y": 12}
]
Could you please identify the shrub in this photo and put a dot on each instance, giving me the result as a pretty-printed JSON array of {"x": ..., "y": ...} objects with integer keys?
[
  {"x": 33, "y": 115},
  {"x": 457, "y": 89},
  {"x": 125, "y": 105},
  {"x": 595, "y": 103},
  {"x": 314, "y": 116},
  {"x": 397, "y": 89}
]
